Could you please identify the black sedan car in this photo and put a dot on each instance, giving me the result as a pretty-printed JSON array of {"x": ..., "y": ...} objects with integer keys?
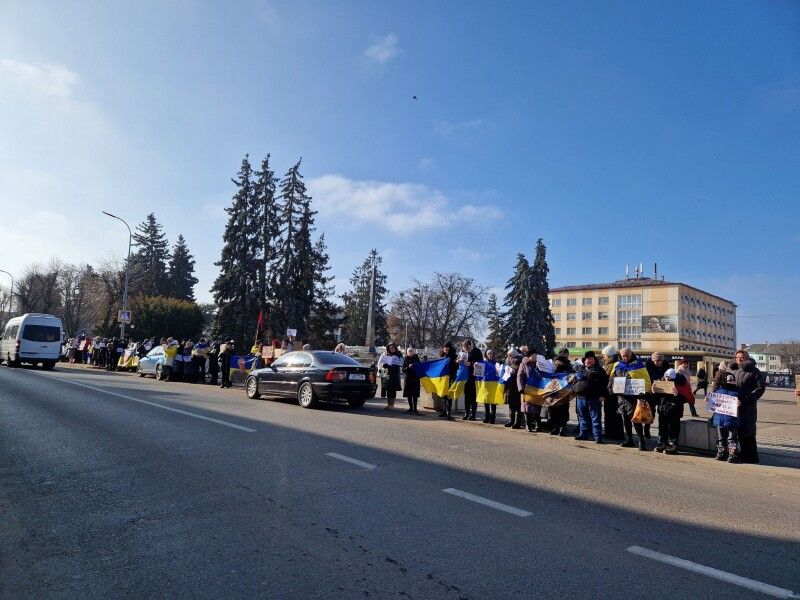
[{"x": 312, "y": 377}]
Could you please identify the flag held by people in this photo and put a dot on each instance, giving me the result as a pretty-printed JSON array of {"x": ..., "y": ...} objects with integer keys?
[
  {"x": 434, "y": 376},
  {"x": 543, "y": 389},
  {"x": 457, "y": 387},
  {"x": 489, "y": 383}
]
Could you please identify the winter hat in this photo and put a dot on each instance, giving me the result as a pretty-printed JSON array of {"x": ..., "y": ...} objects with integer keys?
[
  {"x": 563, "y": 352},
  {"x": 723, "y": 365},
  {"x": 670, "y": 374},
  {"x": 609, "y": 351},
  {"x": 589, "y": 354}
]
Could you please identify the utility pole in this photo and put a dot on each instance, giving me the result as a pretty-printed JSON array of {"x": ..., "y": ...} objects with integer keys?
[
  {"x": 371, "y": 312},
  {"x": 127, "y": 266}
]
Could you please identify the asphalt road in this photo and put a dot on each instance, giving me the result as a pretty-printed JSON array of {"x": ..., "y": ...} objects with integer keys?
[{"x": 114, "y": 486}]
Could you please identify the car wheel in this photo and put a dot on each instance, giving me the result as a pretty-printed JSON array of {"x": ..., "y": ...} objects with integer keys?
[
  {"x": 139, "y": 371},
  {"x": 252, "y": 388},
  {"x": 158, "y": 372},
  {"x": 11, "y": 363},
  {"x": 305, "y": 395},
  {"x": 356, "y": 402}
]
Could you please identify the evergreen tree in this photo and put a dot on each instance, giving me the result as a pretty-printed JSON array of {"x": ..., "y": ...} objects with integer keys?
[
  {"x": 324, "y": 318},
  {"x": 268, "y": 242},
  {"x": 495, "y": 338},
  {"x": 235, "y": 288},
  {"x": 519, "y": 329},
  {"x": 295, "y": 290},
  {"x": 539, "y": 290},
  {"x": 149, "y": 262},
  {"x": 181, "y": 279},
  {"x": 356, "y": 302}
]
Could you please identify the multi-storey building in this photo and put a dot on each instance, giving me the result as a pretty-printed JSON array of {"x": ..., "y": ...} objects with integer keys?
[{"x": 646, "y": 315}]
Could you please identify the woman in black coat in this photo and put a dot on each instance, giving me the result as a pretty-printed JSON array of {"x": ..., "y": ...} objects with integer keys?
[
  {"x": 513, "y": 397},
  {"x": 449, "y": 352},
  {"x": 391, "y": 361},
  {"x": 411, "y": 387}
]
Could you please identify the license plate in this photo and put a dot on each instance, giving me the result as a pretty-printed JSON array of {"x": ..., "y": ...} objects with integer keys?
[{"x": 357, "y": 377}]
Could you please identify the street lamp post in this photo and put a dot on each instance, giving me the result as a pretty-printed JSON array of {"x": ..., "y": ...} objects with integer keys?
[
  {"x": 11, "y": 297},
  {"x": 127, "y": 265}
]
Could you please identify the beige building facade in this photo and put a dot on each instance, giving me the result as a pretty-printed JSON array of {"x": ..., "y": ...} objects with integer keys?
[{"x": 646, "y": 315}]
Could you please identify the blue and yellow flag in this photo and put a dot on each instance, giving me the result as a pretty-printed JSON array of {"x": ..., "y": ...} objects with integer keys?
[
  {"x": 457, "y": 387},
  {"x": 490, "y": 383},
  {"x": 434, "y": 375},
  {"x": 541, "y": 387},
  {"x": 633, "y": 370}
]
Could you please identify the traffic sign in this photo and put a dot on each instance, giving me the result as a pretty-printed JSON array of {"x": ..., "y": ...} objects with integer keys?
[{"x": 124, "y": 316}]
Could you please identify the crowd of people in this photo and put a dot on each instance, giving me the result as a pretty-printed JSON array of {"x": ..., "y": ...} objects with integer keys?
[{"x": 602, "y": 411}]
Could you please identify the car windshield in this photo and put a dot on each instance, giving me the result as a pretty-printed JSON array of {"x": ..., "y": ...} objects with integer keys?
[
  {"x": 41, "y": 333},
  {"x": 335, "y": 358},
  {"x": 156, "y": 351}
]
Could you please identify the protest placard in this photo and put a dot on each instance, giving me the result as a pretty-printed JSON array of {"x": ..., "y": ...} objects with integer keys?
[
  {"x": 722, "y": 404},
  {"x": 544, "y": 365},
  {"x": 291, "y": 332},
  {"x": 663, "y": 387},
  {"x": 479, "y": 369},
  {"x": 628, "y": 387}
]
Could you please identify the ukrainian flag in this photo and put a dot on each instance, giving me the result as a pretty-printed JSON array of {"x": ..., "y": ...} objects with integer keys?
[
  {"x": 457, "y": 387},
  {"x": 541, "y": 387},
  {"x": 434, "y": 375},
  {"x": 632, "y": 370},
  {"x": 489, "y": 383}
]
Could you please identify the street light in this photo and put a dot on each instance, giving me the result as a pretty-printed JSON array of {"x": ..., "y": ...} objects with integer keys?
[
  {"x": 11, "y": 297},
  {"x": 127, "y": 264}
]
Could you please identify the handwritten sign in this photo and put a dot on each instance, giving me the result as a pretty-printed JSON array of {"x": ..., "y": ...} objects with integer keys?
[
  {"x": 628, "y": 387},
  {"x": 663, "y": 387},
  {"x": 722, "y": 404},
  {"x": 544, "y": 365},
  {"x": 291, "y": 333}
]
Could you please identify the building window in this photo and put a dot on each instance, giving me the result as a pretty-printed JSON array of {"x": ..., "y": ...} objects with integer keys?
[
  {"x": 635, "y": 345},
  {"x": 570, "y": 316},
  {"x": 630, "y": 317},
  {"x": 556, "y": 316},
  {"x": 586, "y": 331},
  {"x": 602, "y": 330},
  {"x": 588, "y": 345},
  {"x": 557, "y": 330},
  {"x": 571, "y": 301},
  {"x": 628, "y": 332},
  {"x": 586, "y": 302},
  {"x": 602, "y": 316},
  {"x": 556, "y": 301},
  {"x": 602, "y": 300},
  {"x": 570, "y": 344},
  {"x": 570, "y": 330},
  {"x": 587, "y": 316}
]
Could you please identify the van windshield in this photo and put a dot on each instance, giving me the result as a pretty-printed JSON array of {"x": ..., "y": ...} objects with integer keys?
[{"x": 41, "y": 333}]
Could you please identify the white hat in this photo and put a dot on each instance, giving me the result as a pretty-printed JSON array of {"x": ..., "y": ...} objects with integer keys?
[
  {"x": 670, "y": 374},
  {"x": 609, "y": 351}
]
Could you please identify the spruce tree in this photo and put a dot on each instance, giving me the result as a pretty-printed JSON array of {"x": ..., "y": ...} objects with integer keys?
[
  {"x": 295, "y": 288},
  {"x": 539, "y": 290},
  {"x": 519, "y": 329},
  {"x": 356, "y": 302},
  {"x": 235, "y": 288},
  {"x": 324, "y": 313},
  {"x": 181, "y": 279},
  {"x": 495, "y": 338},
  {"x": 268, "y": 243},
  {"x": 149, "y": 262}
]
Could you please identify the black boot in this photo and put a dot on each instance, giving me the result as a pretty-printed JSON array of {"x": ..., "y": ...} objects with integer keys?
[
  {"x": 647, "y": 432},
  {"x": 486, "y": 416},
  {"x": 722, "y": 452},
  {"x": 642, "y": 445},
  {"x": 537, "y": 425},
  {"x": 518, "y": 422},
  {"x": 529, "y": 423},
  {"x": 511, "y": 418},
  {"x": 493, "y": 416}
]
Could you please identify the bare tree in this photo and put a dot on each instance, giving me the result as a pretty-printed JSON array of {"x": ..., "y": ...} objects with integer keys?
[
  {"x": 789, "y": 353},
  {"x": 77, "y": 285},
  {"x": 451, "y": 306},
  {"x": 106, "y": 295},
  {"x": 5, "y": 305},
  {"x": 38, "y": 290}
]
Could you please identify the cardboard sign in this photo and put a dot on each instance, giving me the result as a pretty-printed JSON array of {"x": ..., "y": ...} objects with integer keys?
[
  {"x": 291, "y": 332},
  {"x": 628, "y": 387},
  {"x": 722, "y": 404},
  {"x": 479, "y": 369},
  {"x": 544, "y": 365},
  {"x": 663, "y": 387}
]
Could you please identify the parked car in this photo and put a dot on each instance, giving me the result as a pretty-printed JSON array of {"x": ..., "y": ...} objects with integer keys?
[
  {"x": 313, "y": 377},
  {"x": 32, "y": 338},
  {"x": 152, "y": 363}
]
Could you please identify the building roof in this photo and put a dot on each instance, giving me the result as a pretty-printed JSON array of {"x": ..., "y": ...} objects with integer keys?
[
  {"x": 766, "y": 348},
  {"x": 633, "y": 282}
]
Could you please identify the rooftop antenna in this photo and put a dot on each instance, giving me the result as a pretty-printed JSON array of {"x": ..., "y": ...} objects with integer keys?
[
  {"x": 655, "y": 271},
  {"x": 627, "y": 272},
  {"x": 641, "y": 269}
]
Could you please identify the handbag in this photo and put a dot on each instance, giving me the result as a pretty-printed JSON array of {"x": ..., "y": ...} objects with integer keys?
[{"x": 642, "y": 414}]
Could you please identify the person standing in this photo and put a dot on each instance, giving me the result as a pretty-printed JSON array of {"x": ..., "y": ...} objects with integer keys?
[
  {"x": 170, "y": 352},
  {"x": 411, "y": 388},
  {"x": 590, "y": 389},
  {"x": 225, "y": 355},
  {"x": 199, "y": 357},
  {"x": 392, "y": 362},
  {"x": 656, "y": 367},
  {"x": 751, "y": 385},
  {"x": 213, "y": 365},
  {"x": 530, "y": 413},
  {"x": 611, "y": 417},
  {"x": 470, "y": 356},
  {"x": 490, "y": 408},
  {"x": 670, "y": 411},
  {"x": 629, "y": 367},
  {"x": 449, "y": 352},
  {"x": 702, "y": 381},
  {"x": 511, "y": 393},
  {"x": 727, "y": 426},
  {"x": 683, "y": 370},
  {"x": 558, "y": 415}
]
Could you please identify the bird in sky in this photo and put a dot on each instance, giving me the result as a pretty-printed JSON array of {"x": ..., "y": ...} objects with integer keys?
[{"x": 413, "y": 97}]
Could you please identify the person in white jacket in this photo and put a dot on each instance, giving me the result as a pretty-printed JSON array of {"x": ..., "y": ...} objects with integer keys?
[{"x": 392, "y": 361}]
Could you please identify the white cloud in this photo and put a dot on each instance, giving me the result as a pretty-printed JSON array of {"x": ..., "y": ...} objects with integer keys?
[
  {"x": 51, "y": 80},
  {"x": 466, "y": 255},
  {"x": 447, "y": 128},
  {"x": 383, "y": 49},
  {"x": 402, "y": 208}
]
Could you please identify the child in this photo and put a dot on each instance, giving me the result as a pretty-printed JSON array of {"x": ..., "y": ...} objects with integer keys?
[{"x": 727, "y": 426}]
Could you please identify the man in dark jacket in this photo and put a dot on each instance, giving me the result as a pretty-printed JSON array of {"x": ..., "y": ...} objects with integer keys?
[
  {"x": 224, "y": 360},
  {"x": 473, "y": 355},
  {"x": 751, "y": 385},
  {"x": 656, "y": 368},
  {"x": 591, "y": 386},
  {"x": 558, "y": 415},
  {"x": 629, "y": 367}
]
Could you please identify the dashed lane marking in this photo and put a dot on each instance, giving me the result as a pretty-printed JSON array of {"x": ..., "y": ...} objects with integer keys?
[
  {"x": 353, "y": 461},
  {"x": 487, "y": 502}
]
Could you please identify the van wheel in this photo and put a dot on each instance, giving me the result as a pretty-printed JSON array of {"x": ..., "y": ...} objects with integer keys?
[
  {"x": 11, "y": 363},
  {"x": 305, "y": 396}
]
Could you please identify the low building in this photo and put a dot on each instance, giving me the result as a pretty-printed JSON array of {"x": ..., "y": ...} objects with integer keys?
[{"x": 647, "y": 315}]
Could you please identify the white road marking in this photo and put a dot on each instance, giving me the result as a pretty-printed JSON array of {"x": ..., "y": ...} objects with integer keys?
[
  {"x": 353, "y": 461},
  {"x": 750, "y": 584},
  {"x": 155, "y": 404},
  {"x": 518, "y": 512}
]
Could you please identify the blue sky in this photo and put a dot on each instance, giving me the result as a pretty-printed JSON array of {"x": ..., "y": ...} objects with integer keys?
[{"x": 619, "y": 132}]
